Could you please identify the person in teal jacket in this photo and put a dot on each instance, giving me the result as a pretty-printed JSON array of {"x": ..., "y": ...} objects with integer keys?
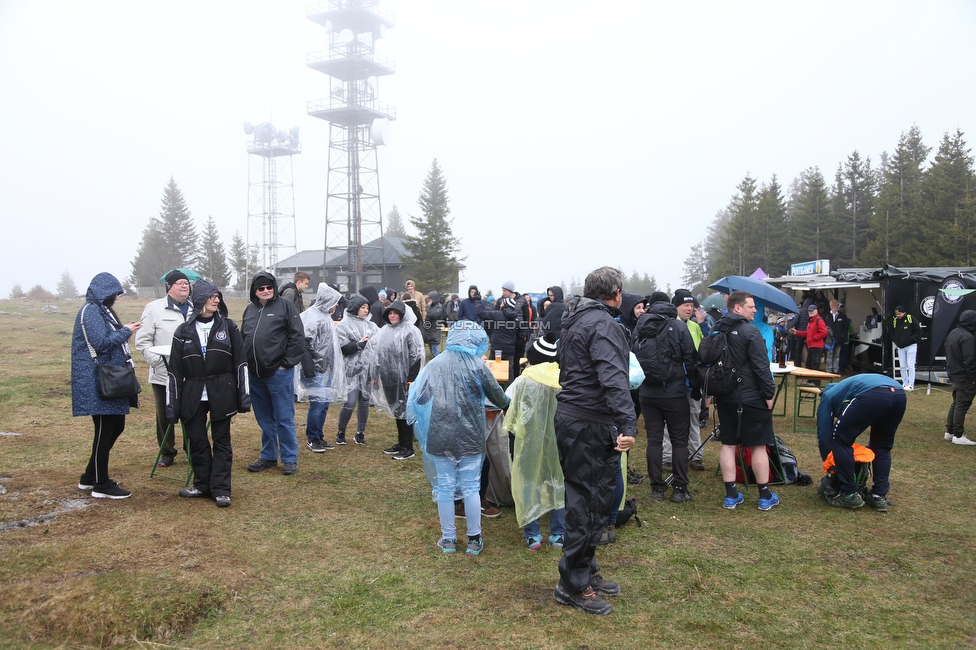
[{"x": 848, "y": 408}]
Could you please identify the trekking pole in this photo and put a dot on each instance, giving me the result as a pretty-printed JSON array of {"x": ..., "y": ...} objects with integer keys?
[{"x": 713, "y": 434}]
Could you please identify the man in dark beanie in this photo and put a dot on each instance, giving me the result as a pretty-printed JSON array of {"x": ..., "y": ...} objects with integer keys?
[{"x": 160, "y": 319}]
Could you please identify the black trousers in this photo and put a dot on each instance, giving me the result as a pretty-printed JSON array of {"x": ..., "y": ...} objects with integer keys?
[
  {"x": 962, "y": 399},
  {"x": 211, "y": 465},
  {"x": 108, "y": 428},
  {"x": 675, "y": 413},
  {"x": 404, "y": 435},
  {"x": 587, "y": 456}
]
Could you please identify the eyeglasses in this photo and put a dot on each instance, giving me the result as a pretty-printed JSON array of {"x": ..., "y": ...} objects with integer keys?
[
  {"x": 216, "y": 297},
  {"x": 265, "y": 288}
]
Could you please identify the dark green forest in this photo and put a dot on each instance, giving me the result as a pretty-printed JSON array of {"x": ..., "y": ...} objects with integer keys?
[{"x": 908, "y": 209}]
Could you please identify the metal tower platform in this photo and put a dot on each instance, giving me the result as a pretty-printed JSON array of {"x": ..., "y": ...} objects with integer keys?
[{"x": 358, "y": 123}]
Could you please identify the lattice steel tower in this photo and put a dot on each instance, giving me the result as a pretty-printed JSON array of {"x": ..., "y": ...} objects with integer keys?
[
  {"x": 355, "y": 251},
  {"x": 271, "y": 193}
]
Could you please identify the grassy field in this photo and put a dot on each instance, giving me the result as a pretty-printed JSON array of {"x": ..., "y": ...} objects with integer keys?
[{"x": 342, "y": 554}]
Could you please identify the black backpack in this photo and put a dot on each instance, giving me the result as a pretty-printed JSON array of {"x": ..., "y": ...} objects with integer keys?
[
  {"x": 654, "y": 348},
  {"x": 719, "y": 376}
]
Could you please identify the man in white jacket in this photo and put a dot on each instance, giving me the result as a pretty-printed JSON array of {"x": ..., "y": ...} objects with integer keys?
[{"x": 159, "y": 320}]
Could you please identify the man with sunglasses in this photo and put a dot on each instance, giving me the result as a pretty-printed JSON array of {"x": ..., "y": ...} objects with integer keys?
[{"x": 274, "y": 340}]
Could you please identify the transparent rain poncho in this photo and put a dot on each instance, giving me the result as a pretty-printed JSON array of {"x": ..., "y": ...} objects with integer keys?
[
  {"x": 394, "y": 350},
  {"x": 537, "y": 477},
  {"x": 329, "y": 382},
  {"x": 447, "y": 402},
  {"x": 352, "y": 329}
]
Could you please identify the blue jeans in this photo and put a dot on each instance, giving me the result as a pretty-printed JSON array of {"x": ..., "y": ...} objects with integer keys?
[
  {"x": 273, "y": 401},
  {"x": 451, "y": 474},
  {"x": 557, "y": 524},
  {"x": 435, "y": 349},
  {"x": 315, "y": 420}
]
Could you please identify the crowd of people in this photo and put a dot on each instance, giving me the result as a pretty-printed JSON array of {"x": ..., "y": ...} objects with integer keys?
[{"x": 572, "y": 413}]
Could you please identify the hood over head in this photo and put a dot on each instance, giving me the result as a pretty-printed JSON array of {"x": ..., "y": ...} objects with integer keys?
[
  {"x": 468, "y": 337},
  {"x": 103, "y": 285},
  {"x": 354, "y": 303},
  {"x": 468, "y": 295},
  {"x": 436, "y": 297},
  {"x": 203, "y": 289},
  {"x": 399, "y": 308},
  {"x": 557, "y": 293},
  {"x": 325, "y": 298},
  {"x": 370, "y": 294},
  {"x": 261, "y": 279},
  {"x": 967, "y": 320},
  {"x": 627, "y": 303}
]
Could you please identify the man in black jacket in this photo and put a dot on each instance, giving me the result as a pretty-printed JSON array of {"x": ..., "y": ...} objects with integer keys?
[
  {"x": 594, "y": 422},
  {"x": 837, "y": 325},
  {"x": 670, "y": 377},
  {"x": 746, "y": 416},
  {"x": 274, "y": 339},
  {"x": 961, "y": 370},
  {"x": 905, "y": 334}
]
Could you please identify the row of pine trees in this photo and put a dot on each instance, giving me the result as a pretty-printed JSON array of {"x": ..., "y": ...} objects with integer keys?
[{"x": 909, "y": 210}]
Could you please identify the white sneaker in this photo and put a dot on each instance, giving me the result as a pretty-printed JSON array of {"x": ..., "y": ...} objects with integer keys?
[
  {"x": 908, "y": 388},
  {"x": 963, "y": 440},
  {"x": 948, "y": 436}
]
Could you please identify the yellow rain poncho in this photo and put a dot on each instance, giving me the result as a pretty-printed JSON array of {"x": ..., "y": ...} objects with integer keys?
[{"x": 537, "y": 478}]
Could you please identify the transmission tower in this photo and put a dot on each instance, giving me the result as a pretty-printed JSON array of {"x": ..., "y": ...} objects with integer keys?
[
  {"x": 271, "y": 193},
  {"x": 355, "y": 251}
]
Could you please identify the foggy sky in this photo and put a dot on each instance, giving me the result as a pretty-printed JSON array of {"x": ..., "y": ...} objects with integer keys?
[{"x": 571, "y": 135}]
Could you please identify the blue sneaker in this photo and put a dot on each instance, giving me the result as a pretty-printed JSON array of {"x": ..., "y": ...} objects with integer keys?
[
  {"x": 447, "y": 545},
  {"x": 730, "y": 503},
  {"x": 556, "y": 541},
  {"x": 534, "y": 543},
  {"x": 768, "y": 504}
]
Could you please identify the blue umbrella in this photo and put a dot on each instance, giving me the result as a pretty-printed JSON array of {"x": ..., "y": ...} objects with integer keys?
[{"x": 770, "y": 295}]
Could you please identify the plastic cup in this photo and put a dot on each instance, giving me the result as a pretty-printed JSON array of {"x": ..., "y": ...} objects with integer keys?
[{"x": 498, "y": 355}]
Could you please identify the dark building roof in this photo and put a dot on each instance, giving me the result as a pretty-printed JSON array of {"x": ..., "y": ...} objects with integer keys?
[{"x": 371, "y": 256}]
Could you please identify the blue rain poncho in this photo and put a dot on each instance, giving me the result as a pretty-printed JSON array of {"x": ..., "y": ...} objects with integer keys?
[
  {"x": 396, "y": 356},
  {"x": 447, "y": 402},
  {"x": 352, "y": 329},
  {"x": 537, "y": 477},
  {"x": 329, "y": 382}
]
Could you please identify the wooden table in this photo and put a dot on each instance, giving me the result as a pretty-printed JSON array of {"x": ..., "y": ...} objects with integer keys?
[
  {"x": 812, "y": 375},
  {"x": 499, "y": 369}
]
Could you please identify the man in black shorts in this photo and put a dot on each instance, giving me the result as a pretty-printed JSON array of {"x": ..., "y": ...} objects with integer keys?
[{"x": 746, "y": 417}]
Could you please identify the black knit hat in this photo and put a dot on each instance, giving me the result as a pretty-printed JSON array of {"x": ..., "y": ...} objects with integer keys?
[
  {"x": 175, "y": 276},
  {"x": 542, "y": 350},
  {"x": 681, "y": 296},
  {"x": 657, "y": 296}
]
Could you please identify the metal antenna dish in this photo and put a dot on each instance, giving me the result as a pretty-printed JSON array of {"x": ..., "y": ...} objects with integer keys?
[
  {"x": 282, "y": 136},
  {"x": 265, "y": 133},
  {"x": 248, "y": 128},
  {"x": 379, "y": 131}
]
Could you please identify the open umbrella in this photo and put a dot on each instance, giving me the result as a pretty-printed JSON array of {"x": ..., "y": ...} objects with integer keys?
[
  {"x": 714, "y": 301},
  {"x": 770, "y": 295},
  {"x": 190, "y": 274}
]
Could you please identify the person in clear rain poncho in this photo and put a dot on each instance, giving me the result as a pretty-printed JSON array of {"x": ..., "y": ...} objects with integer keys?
[
  {"x": 354, "y": 331},
  {"x": 327, "y": 385},
  {"x": 397, "y": 355},
  {"x": 447, "y": 407}
]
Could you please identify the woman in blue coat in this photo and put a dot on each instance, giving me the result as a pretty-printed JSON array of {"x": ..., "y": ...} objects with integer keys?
[{"x": 99, "y": 338}]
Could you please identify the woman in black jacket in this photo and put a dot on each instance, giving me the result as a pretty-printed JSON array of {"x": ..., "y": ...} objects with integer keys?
[{"x": 208, "y": 374}]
